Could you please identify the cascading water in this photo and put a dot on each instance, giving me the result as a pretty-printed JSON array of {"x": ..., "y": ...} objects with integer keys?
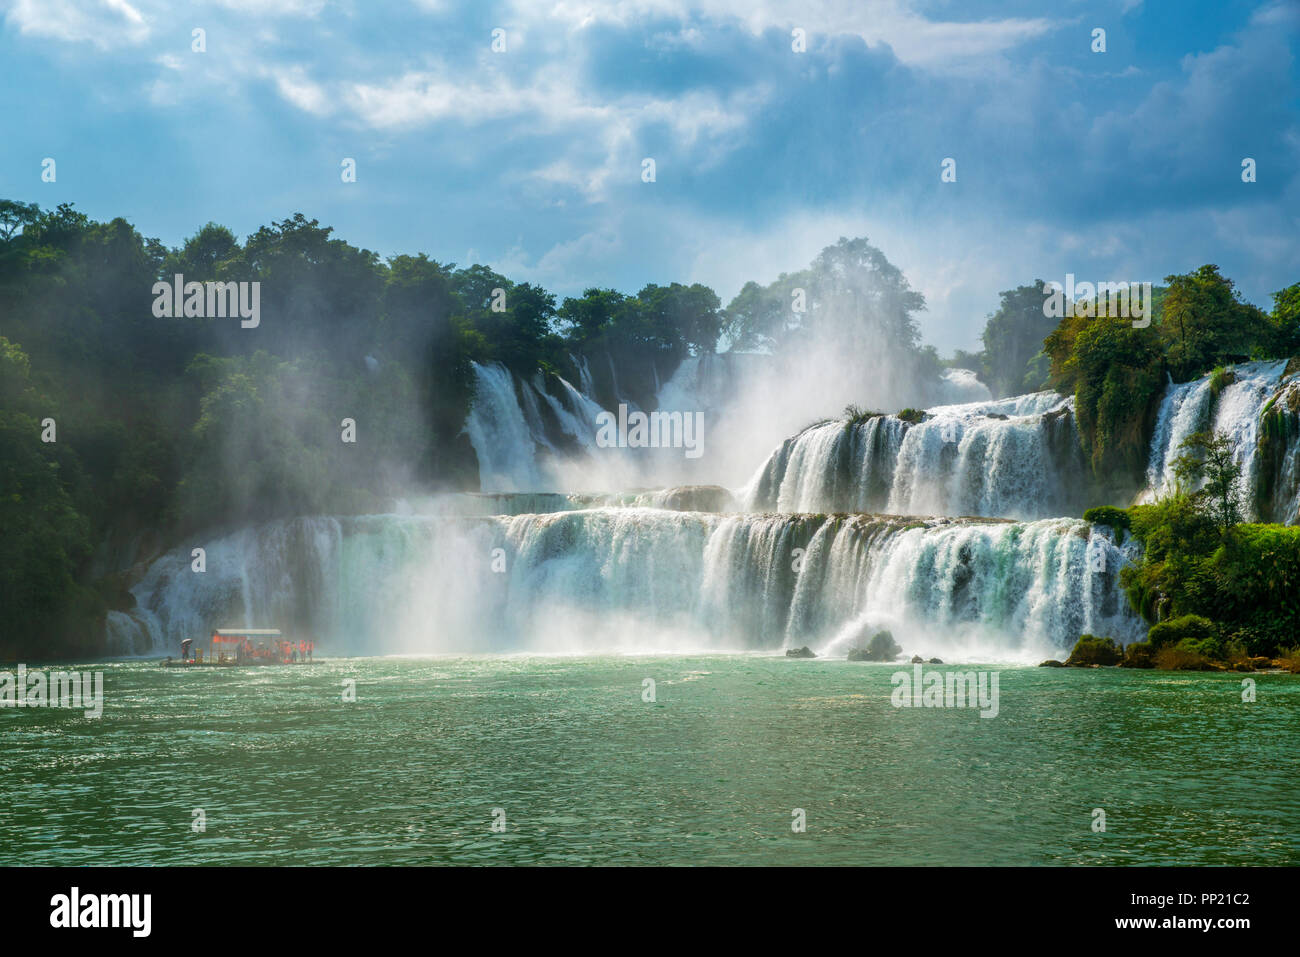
[
  {"x": 1192, "y": 407},
  {"x": 650, "y": 580},
  {"x": 1007, "y": 459},
  {"x": 499, "y": 433},
  {"x": 531, "y": 565}
]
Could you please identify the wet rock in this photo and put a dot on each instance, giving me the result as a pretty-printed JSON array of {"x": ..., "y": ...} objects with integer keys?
[
  {"x": 1051, "y": 663},
  {"x": 881, "y": 647},
  {"x": 804, "y": 652}
]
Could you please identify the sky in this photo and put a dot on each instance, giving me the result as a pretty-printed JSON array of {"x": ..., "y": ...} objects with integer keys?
[{"x": 1117, "y": 165}]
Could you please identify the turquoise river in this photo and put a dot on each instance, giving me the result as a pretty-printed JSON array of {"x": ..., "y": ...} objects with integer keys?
[{"x": 584, "y": 770}]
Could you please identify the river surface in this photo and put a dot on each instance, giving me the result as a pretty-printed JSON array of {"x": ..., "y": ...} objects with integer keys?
[{"x": 584, "y": 770}]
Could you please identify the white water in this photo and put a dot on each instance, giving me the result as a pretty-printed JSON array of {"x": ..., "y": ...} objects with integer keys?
[
  {"x": 523, "y": 568},
  {"x": 502, "y": 439},
  {"x": 649, "y": 580},
  {"x": 1191, "y": 407},
  {"x": 962, "y": 385},
  {"x": 992, "y": 458}
]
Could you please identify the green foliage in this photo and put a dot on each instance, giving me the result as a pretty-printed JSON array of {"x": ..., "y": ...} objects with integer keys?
[
  {"x": 1220, "y": 379},
  {"x": 856, "y": 416},
  {"x": 15, "y": 216},
  {"x": 1139, "y": 654},
  {"x": 1038, "y": 373},
  {"x": 1115, "y": 373},
  {"x": 46, "y": 537},
  {"x": 850, "y": 300},
  {"x": 1013, "y": 338},
  {"x": 1204, "y": 322},
  {"x": 1117, "y": 518},
  {"x": 1209, "y": 646},
  {"x": 1285, "y": 321},
  {"x": 1091, "y": 650},
  {"x": 1209, "y": 458},
  {"x": 1193, "y": 629},
  {"x": 171, "y": 425},
  {"x": 1196, "y": 581},
  {"x": 913, "y": 416}
]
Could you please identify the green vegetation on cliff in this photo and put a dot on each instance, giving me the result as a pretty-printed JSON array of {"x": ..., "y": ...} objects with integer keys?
[{"x": 1214, "y": 589}]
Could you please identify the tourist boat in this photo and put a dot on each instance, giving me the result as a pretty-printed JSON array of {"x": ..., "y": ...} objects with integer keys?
[{"x": 242, "y": 647}]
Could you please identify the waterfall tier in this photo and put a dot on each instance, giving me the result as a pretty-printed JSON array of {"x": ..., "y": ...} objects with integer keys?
[{"x": 649, "y": 579}]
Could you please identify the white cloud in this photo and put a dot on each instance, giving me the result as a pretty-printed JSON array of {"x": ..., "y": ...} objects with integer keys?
[
  {"x": 914, "y": 38},
  {"x": 104, "y": 23},
  {"x": 293, "y": 85}
]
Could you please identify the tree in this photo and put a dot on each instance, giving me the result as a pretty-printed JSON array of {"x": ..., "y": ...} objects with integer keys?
[
  {"x": 1204, "y": 323},
  {"x": 687, "y": 318},
  {"x": 1115, "y": 372},
  {"x": 1286, "y": 321},
  {"x": 318, "y": 294},
  {"x": 586, "y": 317},
  {"x": 45, "y": 537},
  {"x": 1013, "y": 336},
  {"x": 756, "y": 319},
  {"x": 205, "y": 255},
  {"x": 15, "y": 216},
  {"x": 1209, "y": 458}
]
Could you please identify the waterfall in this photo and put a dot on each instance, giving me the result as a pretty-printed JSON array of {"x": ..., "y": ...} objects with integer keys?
[
  {"x": 500, "y": 434},
  {"x": 848, "y": 527},
  {"x": 649, "y": 580},
  {"x": 1001, "y": 458},
  {"x": 1192, "y": 407}
]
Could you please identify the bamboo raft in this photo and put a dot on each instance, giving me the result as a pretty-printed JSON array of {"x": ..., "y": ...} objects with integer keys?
[{"x": 244, "y": 648}]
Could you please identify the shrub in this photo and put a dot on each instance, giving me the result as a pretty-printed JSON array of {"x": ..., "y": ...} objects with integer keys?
[
  {"x": 911, "y": 415},
  {"x": 1116, "y": 518},
  {"x": 1091, "y": 650},
  {"x": 856, "y": 415},
  {"x": 1174, "y": 631},
  {"x": 1139, "y": 654},
  {"x": 1220, "y": 379},
  {"x": 1178, "y": 658},
  {"x": 1209, "y": 647}
]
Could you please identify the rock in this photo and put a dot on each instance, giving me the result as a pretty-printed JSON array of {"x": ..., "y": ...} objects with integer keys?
[
  {"x": 1051, "y": 663},
  {"x": 936, "y": 661},
  {"x": 917, "y": 660},
  {"x": 699, "y": 498},
  {"x": 804, "y": 652},
  {"x": 881, "y": 647}
]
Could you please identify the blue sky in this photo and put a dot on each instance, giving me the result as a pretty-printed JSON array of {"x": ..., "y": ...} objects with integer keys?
[{"x": 1117, "y": 165}]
